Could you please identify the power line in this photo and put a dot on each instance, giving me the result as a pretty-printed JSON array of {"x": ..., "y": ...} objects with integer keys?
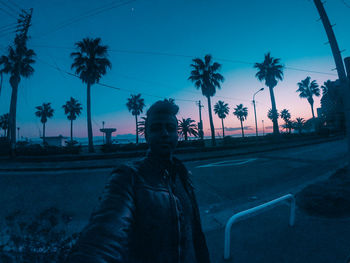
[
  {"x": 110, "y": 86},
  {"x": 8, "y": 6},
  {"x": 8, "y": 29},
  {"x": 90, "y": 13},
  {"x": 187, "y": 56},
  {"x": 8, "y": 13},
  {"x": 346, "y": 4},
  {"x": 14, "y": 4},
  {"x": 9, "y": 25}
]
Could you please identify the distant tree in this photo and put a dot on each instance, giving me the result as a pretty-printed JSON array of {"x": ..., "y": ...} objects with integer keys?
[
  {"x": 299, "y": 124},
  {"x": 285, "y": 115},
  {"x": 270, "y": 71},
  {"x": 272, "y": 114},
  {"x": 4, "y": 123},
  {"x": 206, "y": 77},
  {"x": 241, "y": 113},
  {"x": 187, "y": 127},
  {"x": 72, "y": 109},
  {"x": 44, "y": 112},
  {"x": 90, "y": 64},
  {"x": 18, "y": 63},
  {"x": 222, "y": 110},
  {"x": 332, "y": 105},
  {"x": 135, "y": 105},
  {"x": 307, "y": 89}
]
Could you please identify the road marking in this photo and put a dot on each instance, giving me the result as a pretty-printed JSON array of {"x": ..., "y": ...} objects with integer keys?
[{"x": 228, "y": 163}]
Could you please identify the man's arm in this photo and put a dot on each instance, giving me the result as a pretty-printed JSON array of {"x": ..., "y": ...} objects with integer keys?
[{"x": 107, "y": 236}]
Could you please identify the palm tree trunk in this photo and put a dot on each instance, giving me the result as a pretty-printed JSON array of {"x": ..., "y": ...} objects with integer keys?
[
  {"x": 312, "y": 110},
  {"x": 14, "y": 81},
  {"x": 89, "y": 125},
  {"x": 71, "y": 130},
  {"x": 186, "y": 136},
  {"x": 274, "y": 109},
  {"x": 242, "y": 128},
  {"x": 223, "y": 128},
  {"x": 137, "y": 131},
  {"x": 44, "y": 134},
  {"x": 213, "y": 143}
]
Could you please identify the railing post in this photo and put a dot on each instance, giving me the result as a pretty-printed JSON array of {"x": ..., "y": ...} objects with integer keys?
[{"x": 250, "y": 212}]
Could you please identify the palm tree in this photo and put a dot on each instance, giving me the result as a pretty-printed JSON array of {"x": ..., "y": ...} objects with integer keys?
[
  {"x": 18, "y": 63},
  {"x": 72, "y": 109},
  {"x": 136, "y": 104},
  {"x": 299, "y": 124},
  {"x": 205, "y": 77},
  {"x": 4, "y": 123},
  {"x": 307, "y": 90},
  {"x": 187, "y": 127},
  {"x": 90, "y": 63},
  {"x": 241, "y": 113},
  {"x": 44, "y": 112},
  {"x": 285, "y": 115},
  {"x": 270, "y": 71},
  {"x": 222, "y": 110}
]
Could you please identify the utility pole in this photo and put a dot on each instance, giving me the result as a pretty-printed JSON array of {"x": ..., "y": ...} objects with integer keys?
[
  {"x": 103, "y": 126},
  {"x": 18, "y": 133},
  {"x": 347, "y": 102},
  {"x": 200, "y": 123},
  {"x": 332, "y": 41}
]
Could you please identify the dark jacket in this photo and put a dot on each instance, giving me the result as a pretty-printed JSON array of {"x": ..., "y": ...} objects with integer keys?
[{"x": 137, "y": 219}]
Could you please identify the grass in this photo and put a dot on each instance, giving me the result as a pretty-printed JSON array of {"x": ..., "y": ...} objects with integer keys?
[{"x": 329, "y": 198}]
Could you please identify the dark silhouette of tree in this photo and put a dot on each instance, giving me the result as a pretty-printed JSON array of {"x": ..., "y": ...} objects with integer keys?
[
  {"x": 205, "y": 77},
  {"x": 222, "y": 110},
  {"x": 135, "y": 105},
  {"x": 241, "y": 113},
  {"x": 4, "y": 123},
  {"x": 72, "y": 109},
  {"x": 18, "y": 63},
  {"x": 270, "y": 71},
  {"x": 44, "y": 112},
  {"x": 272, "y": 115},
  {"x": 307, "y": 89},
  {"x": 299, "y": 124},
  {"x": 285, "y": 115},
  {"x": 187, "y": 127},
  {"x": 90, "y": 64},
  {"x": 332, "y": 105}
]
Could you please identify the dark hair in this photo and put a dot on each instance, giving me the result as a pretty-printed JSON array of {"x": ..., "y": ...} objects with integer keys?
[{"x": 166, "y": 106}]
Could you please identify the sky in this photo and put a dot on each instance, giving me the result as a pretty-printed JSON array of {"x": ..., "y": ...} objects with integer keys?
[{"x": 151, "y": 46}]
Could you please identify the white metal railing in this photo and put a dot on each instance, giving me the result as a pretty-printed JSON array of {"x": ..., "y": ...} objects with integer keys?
[{"x": 250, "y": 212}]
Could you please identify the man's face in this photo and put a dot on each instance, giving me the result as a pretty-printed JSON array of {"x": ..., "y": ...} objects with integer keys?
[{"x": 161, "y": 134}]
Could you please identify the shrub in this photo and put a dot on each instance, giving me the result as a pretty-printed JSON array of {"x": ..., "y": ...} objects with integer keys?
[{"x": 42, "y": 238}]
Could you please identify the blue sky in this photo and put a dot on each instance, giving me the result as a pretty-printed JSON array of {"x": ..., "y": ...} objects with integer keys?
[{"x": 137, "y": 32}]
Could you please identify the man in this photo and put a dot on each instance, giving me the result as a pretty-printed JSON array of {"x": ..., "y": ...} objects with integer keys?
[{"x": 148, "y": 212}]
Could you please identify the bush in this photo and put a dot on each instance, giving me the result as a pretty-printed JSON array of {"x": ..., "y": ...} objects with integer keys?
[
  {"x": 109, "y": 148},
  {"x": 42, "y": 238},
  {"x": 38, "y": 150},
  {"x": 4, "y": 146},
  {"x": 229, "y": 140},
  {"x": 192, "y": 143}
]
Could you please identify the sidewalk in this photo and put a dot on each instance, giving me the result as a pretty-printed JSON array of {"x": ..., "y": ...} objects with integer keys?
[
  {"x": 108, "y": 162},
  {"x": 268, "y": 238}
]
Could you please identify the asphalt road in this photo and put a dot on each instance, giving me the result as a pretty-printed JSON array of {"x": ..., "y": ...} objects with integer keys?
[{"x": 220, "y": 183}]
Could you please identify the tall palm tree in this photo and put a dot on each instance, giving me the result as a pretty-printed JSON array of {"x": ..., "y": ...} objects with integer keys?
[
  {"x": 135, "y": 105},
  {"x": 307, "y": 89},
  {"x": 44, "y": 112},
  {"x": 4, "y": 123},
  {"x": 90, "y": 64},
  {"x": 72, "y": 109},
  {"x": 205, "y": 77},
  {"x": 273, "y": 114},
  {"x": 241, "y": 113},
  {"x": 285, "y": 115},
  {"x": 222, "y": 110},
  {"x": 187, "y": 127},
  {"x": 270, "y": 71},
  {"x": 18, "y": 63}
]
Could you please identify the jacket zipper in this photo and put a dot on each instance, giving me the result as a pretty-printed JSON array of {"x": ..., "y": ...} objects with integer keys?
[{"x": 172, "y": 200}]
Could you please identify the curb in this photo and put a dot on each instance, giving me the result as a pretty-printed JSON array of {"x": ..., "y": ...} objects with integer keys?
[{"x": 189, "y": 159}]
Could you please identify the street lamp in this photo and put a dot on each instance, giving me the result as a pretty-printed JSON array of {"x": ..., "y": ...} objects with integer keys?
[
  {"x": 256, "y": 124},
  {"x": 103, "y": 126},
  {"x": 263, "y": 127}
]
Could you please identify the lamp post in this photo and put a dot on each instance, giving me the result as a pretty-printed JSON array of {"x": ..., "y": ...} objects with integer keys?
[
  {"x": 263, "y": 127},
  {"x": 256, "y": 124},
  {"x": 18, "y": 133},
  {"x": 103, "y": 136}
]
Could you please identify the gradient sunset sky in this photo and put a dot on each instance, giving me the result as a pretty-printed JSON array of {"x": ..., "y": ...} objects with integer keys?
[{"x": 152, "y": 43}]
